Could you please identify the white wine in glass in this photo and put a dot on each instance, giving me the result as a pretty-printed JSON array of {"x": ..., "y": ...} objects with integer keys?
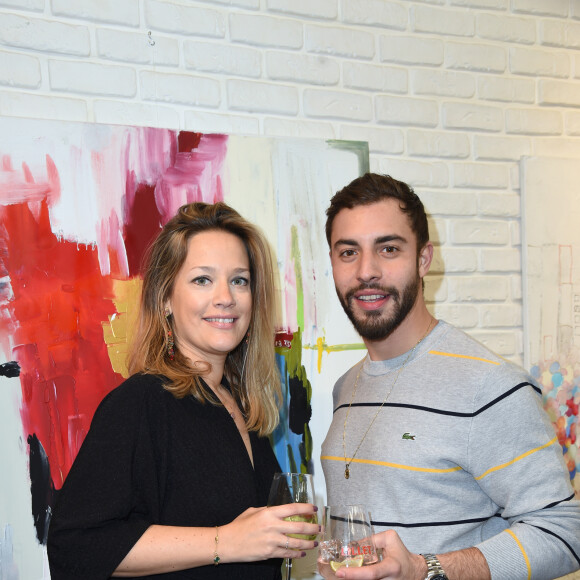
[{"x": 293, "y": 488}]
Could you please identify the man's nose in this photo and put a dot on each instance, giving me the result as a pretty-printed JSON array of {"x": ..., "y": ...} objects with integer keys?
[{"x": 369, "y": 267}]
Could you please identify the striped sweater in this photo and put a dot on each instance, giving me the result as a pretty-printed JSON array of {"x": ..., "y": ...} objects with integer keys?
[{"x": 462, "y": 454}]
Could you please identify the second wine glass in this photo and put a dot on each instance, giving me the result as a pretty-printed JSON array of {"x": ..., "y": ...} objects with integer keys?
[
  {"x": 346, "y": 541},
  {"x": 293, "y": 488}
]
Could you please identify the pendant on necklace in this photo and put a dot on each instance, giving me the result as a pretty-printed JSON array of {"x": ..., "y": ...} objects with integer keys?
[{"x": 346, "y": 472}]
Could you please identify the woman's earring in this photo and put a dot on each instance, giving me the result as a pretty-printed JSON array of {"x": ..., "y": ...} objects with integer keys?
[
  {"x": 169, "y": 337},
  {"x": 170, "y": 350},
  {"x": 247, "y": 342}
]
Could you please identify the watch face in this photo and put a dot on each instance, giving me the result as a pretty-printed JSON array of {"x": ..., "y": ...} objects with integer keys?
[{"x": 439, "y": 577}]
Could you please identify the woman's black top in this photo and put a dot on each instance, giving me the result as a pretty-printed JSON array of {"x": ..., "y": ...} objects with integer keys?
[{"x": 150, "y": 458}]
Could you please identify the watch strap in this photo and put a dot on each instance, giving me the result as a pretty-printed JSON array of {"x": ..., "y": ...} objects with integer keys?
[{"x": 434, "y": 569}]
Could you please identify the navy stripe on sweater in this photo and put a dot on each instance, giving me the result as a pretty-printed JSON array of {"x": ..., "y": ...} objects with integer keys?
[
  {"x": 432, "y": 524},
  {"x": 443, "y": 411},
  {"x": 559, "y": 538}
]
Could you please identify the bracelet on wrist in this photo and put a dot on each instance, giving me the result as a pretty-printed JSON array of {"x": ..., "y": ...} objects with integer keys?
[{"x": 216, "y": 558}]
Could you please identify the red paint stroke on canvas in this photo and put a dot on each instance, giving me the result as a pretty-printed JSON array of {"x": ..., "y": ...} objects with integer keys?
[
  {"x": 57, "y": 298},
  {"x": 195, "y": 174},
  {"x": 195, "y": 162},
  {"x": 142, "y": 224},
  {"x": 16, "y": 185},
  {"x": 59, "y": 301}
]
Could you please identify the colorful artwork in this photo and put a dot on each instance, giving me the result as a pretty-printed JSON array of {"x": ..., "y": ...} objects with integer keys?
[
  {"x": 551, "y": 212},
  {"x": 79, "y": 205}
]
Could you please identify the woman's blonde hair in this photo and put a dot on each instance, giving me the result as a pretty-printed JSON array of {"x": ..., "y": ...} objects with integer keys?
[{"x": 251, "y": 367}]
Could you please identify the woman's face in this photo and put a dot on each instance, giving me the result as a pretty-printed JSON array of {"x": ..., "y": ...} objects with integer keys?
[{"x": 211, "y": 301}]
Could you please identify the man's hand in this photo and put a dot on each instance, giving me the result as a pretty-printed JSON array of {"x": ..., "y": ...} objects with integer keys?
[
  {"x": 400, "y": 564},
  {"x": 397, "y": 563}
]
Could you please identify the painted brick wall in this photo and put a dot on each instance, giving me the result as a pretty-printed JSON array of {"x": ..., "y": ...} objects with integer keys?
[{"x": 448, "y": 93}]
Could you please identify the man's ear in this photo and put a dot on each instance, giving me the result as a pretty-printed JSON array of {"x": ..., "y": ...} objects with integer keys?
[{"x": 425, "y": 259}]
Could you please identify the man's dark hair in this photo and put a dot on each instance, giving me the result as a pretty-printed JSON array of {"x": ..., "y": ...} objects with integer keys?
[{"x": 372, "y": 188}]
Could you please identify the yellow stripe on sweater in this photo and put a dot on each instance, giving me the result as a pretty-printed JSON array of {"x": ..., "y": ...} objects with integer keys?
[
  {"x": 523, "y": 553},
  {"x": 463, "y": 356},
  {"x": 498, "y": 467},
  {"x": 388, "y": 464}
]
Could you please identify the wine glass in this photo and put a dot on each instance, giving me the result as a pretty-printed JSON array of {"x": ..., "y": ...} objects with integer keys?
[
  {"x": 346, "y": 540},
  {"x": 293, "y": 488}
]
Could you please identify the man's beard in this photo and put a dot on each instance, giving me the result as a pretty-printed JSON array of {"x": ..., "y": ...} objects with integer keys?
[{"x": 374, "y": 325}]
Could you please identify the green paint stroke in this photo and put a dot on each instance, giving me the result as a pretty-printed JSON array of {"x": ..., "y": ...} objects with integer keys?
[
  {"x": 295, "y": 255},
  {"x": 291, "y": 459},
  {"x": 336, "y": 347},
  {"x": 359, "y": 148},
  {"x": 295, "y": 369},
  {"x": 306, "y": 446},
  {"x": 293, "y": 355}
]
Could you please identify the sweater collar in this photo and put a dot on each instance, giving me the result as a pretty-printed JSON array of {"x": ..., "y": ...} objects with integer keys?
[{"x": 381, "y": 367}]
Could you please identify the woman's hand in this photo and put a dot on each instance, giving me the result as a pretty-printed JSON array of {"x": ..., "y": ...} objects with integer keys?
[
  {"x": 262, "y": 533},
  {"x": 256, "y": 534}
]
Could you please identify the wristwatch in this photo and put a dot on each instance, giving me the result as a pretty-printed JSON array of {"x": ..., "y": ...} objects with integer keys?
[{"x": 434, "y": 570}]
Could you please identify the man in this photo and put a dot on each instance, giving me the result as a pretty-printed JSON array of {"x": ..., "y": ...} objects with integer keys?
[{"x": 446, "y": 443}]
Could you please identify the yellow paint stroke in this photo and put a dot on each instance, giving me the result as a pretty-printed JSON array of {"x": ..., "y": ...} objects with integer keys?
[
  {"x": 388, "y": 464},
  {"x": 119, "y": 329},
  {"x": 463, "y": 356},
  {"x": 523, "y": 553},
  {"x": 322, "y": 347},
  {"x": 503, "y": 465}
]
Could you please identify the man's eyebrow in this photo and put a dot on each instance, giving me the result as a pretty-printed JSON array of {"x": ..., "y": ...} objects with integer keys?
[
  {"x": 345, "y": 242},
  {"x": 378, "y": 241},
  {"x": 390, "y": 238}
]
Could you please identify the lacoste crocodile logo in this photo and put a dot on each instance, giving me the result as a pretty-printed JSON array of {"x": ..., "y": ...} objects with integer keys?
[{"x": 408, "y": 436}]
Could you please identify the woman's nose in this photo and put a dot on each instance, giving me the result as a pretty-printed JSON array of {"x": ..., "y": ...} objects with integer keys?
[{"x": 223, "y": 294}]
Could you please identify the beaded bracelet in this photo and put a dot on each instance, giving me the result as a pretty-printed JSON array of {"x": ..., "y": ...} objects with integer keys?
[{"x": 216, "y": 558}]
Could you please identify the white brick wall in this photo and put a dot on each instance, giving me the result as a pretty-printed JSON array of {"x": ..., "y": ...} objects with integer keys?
[
  {"x": 443, "y": 21},
  {"x": 475, "y": 57},
  {"x": 449, "y": 94},
  {"x": 263, "y": 30},
  {"x": 411, "y": 50},
  {"x": 185, "y": 20},
  {"x": 43, "y": 35},
  {"x": 125, "y": 13}
]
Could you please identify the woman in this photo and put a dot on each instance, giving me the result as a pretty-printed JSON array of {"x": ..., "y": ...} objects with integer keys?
[{"x": 168, "y": 478}]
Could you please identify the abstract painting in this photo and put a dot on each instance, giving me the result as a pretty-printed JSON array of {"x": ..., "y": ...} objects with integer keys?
[
  {"x": 551, "y": 248},
  {"x": 79, "y": 204}
]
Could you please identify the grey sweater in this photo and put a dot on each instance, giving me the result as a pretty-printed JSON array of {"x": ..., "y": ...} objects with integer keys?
[{"x": 462, "y": 454}]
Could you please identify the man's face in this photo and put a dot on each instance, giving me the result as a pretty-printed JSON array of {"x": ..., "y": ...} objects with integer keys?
[{"x": 377, "y": 271}]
